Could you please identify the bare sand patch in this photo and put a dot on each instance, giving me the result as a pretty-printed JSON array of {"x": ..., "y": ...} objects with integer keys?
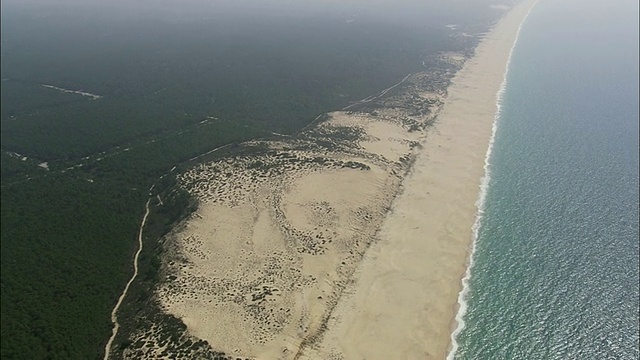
[{"x": 278, "y": 235}]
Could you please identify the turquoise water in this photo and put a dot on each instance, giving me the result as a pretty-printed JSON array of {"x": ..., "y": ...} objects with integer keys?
[{"x": 555, "y": 272}]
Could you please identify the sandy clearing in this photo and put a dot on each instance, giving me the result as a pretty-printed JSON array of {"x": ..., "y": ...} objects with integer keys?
[{"x": 79, "y": 92}]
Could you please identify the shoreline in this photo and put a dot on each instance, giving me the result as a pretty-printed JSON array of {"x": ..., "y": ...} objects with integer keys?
[
  {"x": 458, "y": 323},
  {"x": 382, "y": 319}
]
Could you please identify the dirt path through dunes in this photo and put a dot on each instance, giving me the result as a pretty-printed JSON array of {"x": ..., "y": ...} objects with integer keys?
[{"x": 114, "y": 312}]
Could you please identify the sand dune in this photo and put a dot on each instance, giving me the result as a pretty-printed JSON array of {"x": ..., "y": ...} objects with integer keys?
[{"x": 278, "y": 235}]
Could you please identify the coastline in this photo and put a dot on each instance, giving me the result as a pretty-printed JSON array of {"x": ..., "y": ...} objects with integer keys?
[
  {"x": 405, "y": 300},
  {"x": 459, "y": 322}
]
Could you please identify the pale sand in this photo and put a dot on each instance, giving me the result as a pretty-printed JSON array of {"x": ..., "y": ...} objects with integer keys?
[
  {"x": 263, "y": 261},
  {"x": 405, "y": 300}
]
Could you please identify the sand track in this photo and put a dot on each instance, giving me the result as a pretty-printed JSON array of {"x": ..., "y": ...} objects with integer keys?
[{"x": 114, "y": 312}]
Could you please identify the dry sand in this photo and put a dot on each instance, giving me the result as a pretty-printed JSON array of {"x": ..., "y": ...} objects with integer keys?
[
  {"x": 277, "y": 263},
  {"x": 404, "y": 303}
]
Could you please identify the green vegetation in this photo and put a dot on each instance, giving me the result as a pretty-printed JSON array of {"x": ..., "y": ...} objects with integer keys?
[
  {"x": 66, "y": 247},
  {"x": 171, "y": 90}
]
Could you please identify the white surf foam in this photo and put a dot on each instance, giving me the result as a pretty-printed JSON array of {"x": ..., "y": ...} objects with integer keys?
[{"x": 480, "y": 203}]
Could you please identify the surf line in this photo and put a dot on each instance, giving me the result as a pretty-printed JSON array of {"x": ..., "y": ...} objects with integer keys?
[
  {"x": 481, "y": 202},
  {"x": 114, "y": 312}
]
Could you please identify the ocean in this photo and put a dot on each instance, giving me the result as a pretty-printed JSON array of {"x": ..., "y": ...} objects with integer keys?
[{"x": 555, "y": 268}]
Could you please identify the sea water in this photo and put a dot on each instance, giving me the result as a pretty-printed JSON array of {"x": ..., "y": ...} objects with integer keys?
[{"x": 555, "y": 269}]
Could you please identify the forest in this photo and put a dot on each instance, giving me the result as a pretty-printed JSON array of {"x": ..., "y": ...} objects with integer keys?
[{"x": 76, "y": 170}]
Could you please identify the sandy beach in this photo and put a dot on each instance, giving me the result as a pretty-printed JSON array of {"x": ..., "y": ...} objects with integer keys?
[
  {"x": 348, "y": 241},
  {"x": 404, "y": 303}
]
